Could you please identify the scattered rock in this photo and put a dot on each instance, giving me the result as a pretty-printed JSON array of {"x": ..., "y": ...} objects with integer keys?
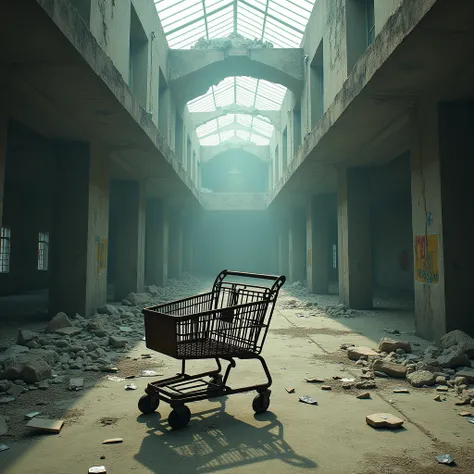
[
  {"x": 387, "y": 344},
  {"x": 26, "y": 337},
  {"x": 420, "y": 378},
  {"x": 346, "y": 346},
  {"x": 314, "y": 380},
  {"x": 463, "y": 401},
  {"x": 390, "y": 368},
  {"x": 459, "y": 380},
  {"x": 356, "y": 352},
  {"x": 13, "y": 351},
  {"x": 117, "y": 342},
  {"x": 108, "y": 309},
  {"x": 138, "y": 299},
  {"x": 391, "y": 331},
  {"x": 460, "y": 340},
  {"x": 453, "y": 357},
  {"x": 5, "y": 400},
  {"x": 43, "y": 385},
  {"x": 59, "y": 321},
  {"x": 3, "y": 426},
  {"x": 467, "y": 373},
  {"x": 16, "y": 390},
  {"x": 363, "y": 396},
  {"x": 36, "y": 370},
  {"x": 366, "y": 385},
  {"x": 429, "y": 365},
  {"x": 401, "y": 390},
  {"x": 442, "y": 388},
  {"x": 290, "y": 389},
  {"x": 31, "y": 415},
  {"x": 438, "y": 398},
  {"x": 307, "y": 399},
  {"x": 43, "y": 424},
  {"x": 326, "y": 387},
  {"x": 4, "y": 385},
  {"x": 384, "y": 420},
  {"x": 76, "y": 384},
  {"x": 112, "y": 441},
  {"x": 441, "y": 380},
  {"x": 432, "y": 352},
  {"x": 68, "y": 331}
]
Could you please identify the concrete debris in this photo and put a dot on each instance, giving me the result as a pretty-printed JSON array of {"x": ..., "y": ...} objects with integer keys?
[
  {"x": 28, "y": 338},
  {"x": 389, "y": 368},
  {"x": 44, "y": 424},
  {"x": 459, "y": 380},
  {"x": 463, "y": 401},
  {"x": 391, "y": 345},
  {"x": 441, "y": 380},
  {"x": 112, "y": 441},
  {"x": 445, "y": 459},
  {"x": 3, "y": 426},
  {"x": 466, "y": 373},
  {"x": 429, "y": 365},
  {"x": 465, "y": 413},
  {"x": 108, "y": 309},
  {"x": 366, "y": 385},
  {"x": 356, "y": 352},
  {"x": 326, "y": 387},
  {"x": 114, "y": 378},
  {"x": 384, "y": 420},
  {"x": 117, "y": 342},
  {"x": 391, "y": 331},
  {"x": 148, "y": 373},
  {"x": 36, "y": 370},
  {"x": 59, "y": 321},
  {"x": 138, "y": 299},
  {"x": 420, "y": 378},
  {"x": 432, "y": 352},
  {"x": 380, "y": 374},
  {"x": 290, "y": 390},
  {"x": 97, "y": 470},
  {"x": 453, "y": 357},
  {"x": 363, "y": 396},
  {"x": 76, "y": 384},
  {"x": 6, "y": 400},
  {"x": 460, "y": 340},
  {"x": 4, "y": 447},
  {"x": 438, "y": 398},
  {"x": 130, "y": 386},
  {"x": 346, "y": 346},
  {"x": 442, "y": 388},
  {"x": 314, "y": 380},
  {"x": 307, "y": 399},
  {"x": 4, "y": 385},
  {"x": 31, "y": 415},
  {"x": 68, "y": 331},
  {"x": 16, "y": 390},
  {"x": 401, "y": 390}
]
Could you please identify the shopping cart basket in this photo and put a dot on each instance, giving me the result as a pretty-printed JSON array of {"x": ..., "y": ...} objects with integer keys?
[{"x": 229, "y": 322}]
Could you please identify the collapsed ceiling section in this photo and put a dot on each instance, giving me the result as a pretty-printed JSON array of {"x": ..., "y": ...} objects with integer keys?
[{"x": 278, "y": 23}]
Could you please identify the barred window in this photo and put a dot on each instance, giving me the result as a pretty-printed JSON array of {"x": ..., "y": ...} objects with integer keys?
[
  {"x": 43, "y": 250},
  {"x": 5, "y": 248}
]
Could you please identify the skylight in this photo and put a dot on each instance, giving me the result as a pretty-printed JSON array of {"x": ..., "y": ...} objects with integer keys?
[{"x": 281, "y": 22}]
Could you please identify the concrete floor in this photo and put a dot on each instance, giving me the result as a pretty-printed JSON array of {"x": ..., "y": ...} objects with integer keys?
[{"x": 225, "y": 435}]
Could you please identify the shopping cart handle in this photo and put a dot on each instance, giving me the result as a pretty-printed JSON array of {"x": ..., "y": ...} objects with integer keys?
[{"x": 259, "y": 276}]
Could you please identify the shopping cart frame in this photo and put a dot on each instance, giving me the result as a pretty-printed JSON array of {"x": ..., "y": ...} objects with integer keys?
[{"x": 245, "y": 311}]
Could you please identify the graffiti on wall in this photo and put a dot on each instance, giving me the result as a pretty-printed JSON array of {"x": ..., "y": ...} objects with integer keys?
[
  {"x": 101, "y": 255},
  {"x": 427, "y": 259}
]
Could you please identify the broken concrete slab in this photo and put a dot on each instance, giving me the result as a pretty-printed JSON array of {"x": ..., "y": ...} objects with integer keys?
[
  {"x": 36, "y": 370},
  {"x": 59, "y": 321},
  {"x": 6, "y": 400},
  {"x": 384, "y": 420},
  {"x": 16, "y": 390},
  {"x": 390, "y": 368},
  {"x": 356, "y": 352},
  {"x": 388, "y": 345},
  {"x": 117, "y": 342},
  {"x": 26, "y": 337},
  {"x": 467, "y": 373},
  {"x": 453, "y": 357},
  {"x": 68, "y": 331},
  {"x": 459, "y": 339},
  {"x": 363, "y": 396},
  {"x": 44, "y": 424},
  {"x": 420, "y": 378}
]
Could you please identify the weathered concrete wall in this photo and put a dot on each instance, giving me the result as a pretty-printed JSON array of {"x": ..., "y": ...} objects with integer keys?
[
  {"x": 383, "y": 9},
  {"x": 27, "y": 206}
]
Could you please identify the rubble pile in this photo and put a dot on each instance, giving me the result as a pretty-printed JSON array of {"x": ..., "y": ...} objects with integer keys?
[
  {"x": 74, "y": 343},
  {"x": 448, "y": 366}
]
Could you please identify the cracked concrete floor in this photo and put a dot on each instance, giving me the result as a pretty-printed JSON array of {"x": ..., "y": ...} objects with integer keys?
[{"x": 225, "y": 435}]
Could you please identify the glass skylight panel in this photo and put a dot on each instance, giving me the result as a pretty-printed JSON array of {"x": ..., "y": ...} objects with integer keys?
[
  {"x": 226, "y": 135},
  {"x": 211, "y": 140},
  {"x": 258, "y": 140},
  {"x": 226, "y": 120},
  {"x": 243, "y": 134}
]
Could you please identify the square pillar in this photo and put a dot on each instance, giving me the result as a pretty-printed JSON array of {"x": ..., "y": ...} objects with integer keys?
[
  {"x": 354, "y": 236},
  {"x": 79, "y": 234},
  {"x": 284, "y": 248},
  {"x": 297, "y": 246},
  {"x": 3, "y": 135},
  {"x": 442, "y": 199},
  {"x": 127, "y": 230},
  {"x": 156, "y": 257},
  {"x": 188, "y": 243},
  {"x": 317, "y": 244},
  {"x": 175, "y": 261}
]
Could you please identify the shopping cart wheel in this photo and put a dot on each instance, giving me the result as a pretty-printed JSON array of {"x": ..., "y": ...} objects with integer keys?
[
  {"x": 217, "y": 384},
  {"x": 261, "y": 402},
  {"x": 148, "y": 404},
  {"x": 179, "y": 417}
]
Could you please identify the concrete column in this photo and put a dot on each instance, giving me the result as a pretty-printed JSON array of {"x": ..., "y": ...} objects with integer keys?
[
  {"x": 156, "y": 257},
  {"x": 128, "y": 229},
  {"x": 355, "y": 259},
  {"x": 188, "y": 243},
  {"x": 3, "y": 135},
  {"x": 442, "y": 198},
  {"x": 297, "y": 246},
  {"x": 79, "y": 237},
  {"x": 175, "y": 261},
  {"x": 283, "y": 247},
  {"x": 317, "y": 244}
]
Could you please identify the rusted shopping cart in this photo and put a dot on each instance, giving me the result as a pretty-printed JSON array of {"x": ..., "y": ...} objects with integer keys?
[{"x": 227, "y": 323}]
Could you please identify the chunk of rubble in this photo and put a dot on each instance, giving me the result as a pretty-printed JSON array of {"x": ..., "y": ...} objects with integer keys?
[
  {"x": 460, "y": 340},
  {"x": 390, "y": 368},
  {"x": 27, "y": 338},
  {"x": 467, "y": 373},
  {"x": 366, "y": 385},
  {"x": 76, "y": 383},
  {"x": 59, "y": 321},
  {"x": 387, "y": 344},
  {"x": 384, "y": 420},
  {"x": 420, "y": 378},
  {"x": 68, "y": 331},
  {"x": 363, "y": 396},
  {"x": 117, "y": 342},
  {"x": 314, "y": 380},
  {"x": 356, "y": 352},
  {"x": 453, "y": 357},
  {"x": 44, "y": 424}
]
